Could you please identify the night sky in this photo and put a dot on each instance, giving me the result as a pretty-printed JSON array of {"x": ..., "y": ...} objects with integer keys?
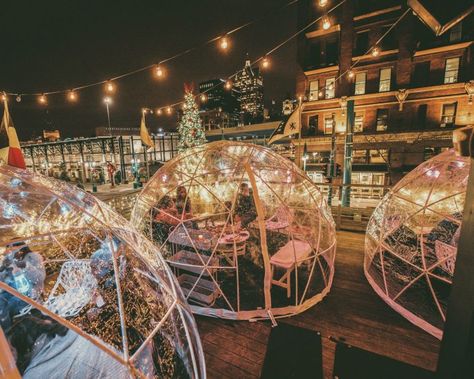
[{"x": 50, "y": 45}]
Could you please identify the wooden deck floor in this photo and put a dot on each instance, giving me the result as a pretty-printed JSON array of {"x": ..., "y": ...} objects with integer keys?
[{"x": 352, "y": 310}]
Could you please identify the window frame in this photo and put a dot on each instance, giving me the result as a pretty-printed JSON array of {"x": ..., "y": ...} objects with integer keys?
[
  {"x": 362, "y": 83},
  {"x": 377, "y": 118},
  {"x": 447, "y": 73},
  {"x": 330, "y": 94},
  {"x": 311, "y": 91},
  {"x": 328, "y": 117},
  {"x": 383, "y": 82},
  {"x": 443, "y": 123}
]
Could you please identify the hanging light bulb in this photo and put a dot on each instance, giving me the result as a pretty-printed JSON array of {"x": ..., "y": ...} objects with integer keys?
[
  {"x": 224, "y": 43},
  {"x": 18, "y": 99},
  {"x": 168, "y": 110},
  {"x": 159, "y": 112},
  {"x": 42, "y": 99},
  {"x": 375, "y": 51},
  {"x": 326, "y": 23},
  {"x": 320, "y": 94},
  {"x": 323, "y": 3},
  {"x": 72, "y": 96},
  {"x": 265, "y": 62},
  {"x": 159, "y": 72},
  {"x": 203, "y": 97},
  {"x": 228, "y": 85},
  {"x": 109, "y": 87},
  {"x": 108, "y": 100},
  {"x": 350, "y": 74}
]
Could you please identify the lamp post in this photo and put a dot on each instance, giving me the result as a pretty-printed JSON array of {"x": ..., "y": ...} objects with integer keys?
[{"x": 108, "y": 101}]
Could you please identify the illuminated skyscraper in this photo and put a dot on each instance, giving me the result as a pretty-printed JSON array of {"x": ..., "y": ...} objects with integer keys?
[{"x": 249, "y": 83}]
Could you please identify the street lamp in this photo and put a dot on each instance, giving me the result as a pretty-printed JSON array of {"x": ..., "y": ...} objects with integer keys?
[{"x": 108, "y": 101}]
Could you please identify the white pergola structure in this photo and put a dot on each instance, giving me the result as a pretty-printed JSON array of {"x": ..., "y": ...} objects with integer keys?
[
  {"x": 82, "y": 294},
  {"x": 249, "y": 235},
  {"x": 412, "y": 237}
]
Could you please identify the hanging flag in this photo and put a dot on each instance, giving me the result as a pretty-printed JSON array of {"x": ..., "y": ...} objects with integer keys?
[
  {"x": 10, "y": 150},
  {"x": 287, "y": 127},
  {"x": 144, "y": 135}
]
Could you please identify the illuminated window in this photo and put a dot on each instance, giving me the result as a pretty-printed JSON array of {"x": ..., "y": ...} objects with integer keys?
[
  {"x": 360, "y": 80},
  {"x": 385, "y": 77},
  {"x": 313, "y": 90},
  {"x": 330, "y": 88},
  {"x": 448, "y": 115},
  {"x": 382, "y": 120},
  {"x": 328, "y": 124},
  {"x": 451, "y": 71},
  {"x": 456, "y": 33},
  {"x": 378, "y": 156},
  {"x": 359, "y": 123}
]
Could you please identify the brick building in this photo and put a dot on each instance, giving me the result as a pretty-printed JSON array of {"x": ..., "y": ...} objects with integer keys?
[{"x": 408, "y": 97}]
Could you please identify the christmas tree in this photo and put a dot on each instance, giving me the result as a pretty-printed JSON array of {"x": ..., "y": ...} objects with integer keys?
[{"x": 191, "y": 132}]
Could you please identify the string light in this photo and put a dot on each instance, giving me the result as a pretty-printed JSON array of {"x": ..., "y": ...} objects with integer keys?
[
  {"x": 320, "y": 94},
  {"x": 323, "y": 3},
  {"x": 265, "y": 62},
  {"x": 108, "y": 100},
  {"x": 228, "y": 85},
  {"x": 109, "y": 87},
  {"x": 18, "y": 99},
  {"x": 203, "y": 97},
  {"x": 72, "y": 96},
  {"x": 159, "y": 72},
  {"x": 168, "y": 110},
  {"x": 159, "y": 112},
  {"x": 350, "y": 74},
  {"x": 224, "y": 43},
  {"x": 326, "y": 23},
  {"x": 42, "y": 99},
  {"x": 375, "y": 51}
]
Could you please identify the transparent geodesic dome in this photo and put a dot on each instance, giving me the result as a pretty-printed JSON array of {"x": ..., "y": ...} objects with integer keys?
[
  {"x": 412, "y": 239},
  {"x": 82, "y": 294},
  {"x": 247, "y": 234}
]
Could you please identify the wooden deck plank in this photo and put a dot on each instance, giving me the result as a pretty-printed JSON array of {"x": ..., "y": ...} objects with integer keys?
[{"x": 351, "y": 311}]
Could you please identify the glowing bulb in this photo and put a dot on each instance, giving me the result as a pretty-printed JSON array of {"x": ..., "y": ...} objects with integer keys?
[
  {"x": 168, "y": 110},
  {"x": 159, "y": 112},
  {"x": 203, "y": 97},
  {"x": 320, "y": 93},
  {"x": 375, "y": 51},
  {"x": 4, "y": 97},
  {"x": 18, "y": 99},
  {"x": 72, "y": 96},
  {"x": 326, "y": 23},
  {"x": 228, "y": 85},
  {"x": 323, "y": 3},
  {"x": 159, "y": 72},
  {"x": 42, "y": 99},
  {"x": 109, "y": 87},
  {"x": 107, "y": 100},
  {"x": 350, "y": 74},
  {"x": 265, "y": 62},
  {"x": 224, "y": 43}
]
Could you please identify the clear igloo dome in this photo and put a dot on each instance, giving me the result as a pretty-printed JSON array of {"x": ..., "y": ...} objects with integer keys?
[
  {"x": 247, "y": 234},
  {"x": 412, "y": 238},
  {"x": 82, "y": 294}
]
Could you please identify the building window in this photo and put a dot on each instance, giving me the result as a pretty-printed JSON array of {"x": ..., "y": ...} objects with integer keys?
[
  {"x": 385, "y": 76},
  {"x": 313, "y": 90},
  {"x": 361, "y": 43},
  {"x": 451, "y": 71},
  {"x": 312, "y": 125},
  {"x": 360, "y": 80},
  {"x": 455, "y": 34},
  {"x": 328, "y": 124},
  {"x": 359, "y": 123},
  {"x": 448, "y": 115},
  {"x": 421, "y": 116},
  {"x": 359, "y": 157},
  {"x": 421, "y": 74},
  {"x": 330, "y": 88},
  {"x": 382, "y": 120},
  {"x": 378, "y": 156}
]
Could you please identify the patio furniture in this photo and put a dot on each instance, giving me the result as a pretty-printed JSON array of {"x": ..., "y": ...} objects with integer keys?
[
  {"x": 288, "y": 257},
  {"x": 231, "y": 246},
  {"x": 282, "y": 218}
]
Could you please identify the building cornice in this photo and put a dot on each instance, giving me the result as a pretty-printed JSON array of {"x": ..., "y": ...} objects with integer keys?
[
  {"x": 377, "y": 13},
  {"x": 322, "y": 70},
  {"x": 443, "y": 49},
  {"x": 370, "y": 56},
  {"x": 322, "y": 32}
]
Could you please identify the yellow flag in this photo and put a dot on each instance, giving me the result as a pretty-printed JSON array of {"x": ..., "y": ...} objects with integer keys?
[{"x": 144, "y": 135}]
